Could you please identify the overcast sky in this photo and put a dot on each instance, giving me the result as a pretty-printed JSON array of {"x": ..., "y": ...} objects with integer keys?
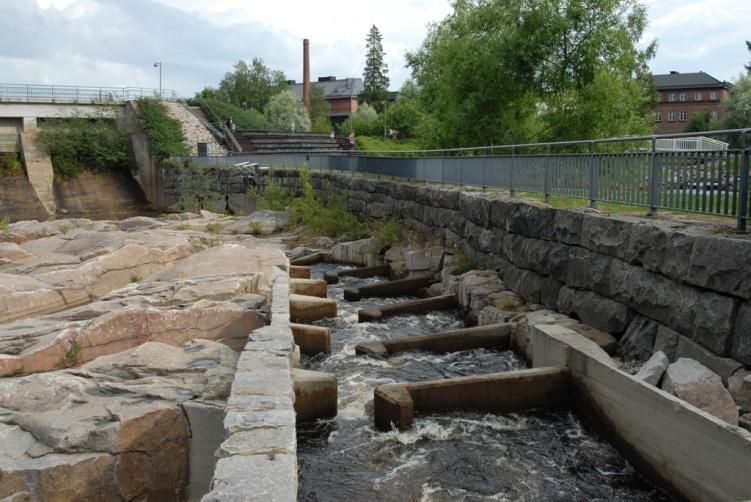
[{"x": 116, "y": 42}]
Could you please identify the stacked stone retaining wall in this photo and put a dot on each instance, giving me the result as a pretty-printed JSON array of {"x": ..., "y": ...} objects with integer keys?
[{"x": 666, "y": 285}]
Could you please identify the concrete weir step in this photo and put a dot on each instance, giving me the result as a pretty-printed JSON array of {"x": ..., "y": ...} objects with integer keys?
[
  {"x": 491, "y": 336},
  {"x": 332, "y": 276},
  {"x": 411, "y": 307},
  {"x": 310, "y": 308},
  {"x": 308, "y": 287},
  {"x": 510, "y": 391},
  {"x": 299, "y": 272},
  {"x": 398, "y": 287},
  {"x": 315, "y": 395},
  {"x": 310, "y": 259},
  {"x": 312, "y": 340}
]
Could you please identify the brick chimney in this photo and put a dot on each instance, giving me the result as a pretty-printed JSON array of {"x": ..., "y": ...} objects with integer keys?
[{"x": 306, "y": 73}]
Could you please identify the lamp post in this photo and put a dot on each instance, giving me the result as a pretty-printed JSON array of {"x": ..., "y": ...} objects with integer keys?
[
  {"x": 385, "y": 105},
  {"x": 159, "y": 65}
]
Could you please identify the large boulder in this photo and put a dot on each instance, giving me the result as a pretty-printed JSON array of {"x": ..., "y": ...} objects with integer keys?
[
  {"x": 739, "y": 386},
  {"x": 696, "y": 384},
  {"x": 652, "y": 370},
  {"x": 638, "y": 341}
]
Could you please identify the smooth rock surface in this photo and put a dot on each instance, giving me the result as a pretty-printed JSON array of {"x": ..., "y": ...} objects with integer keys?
[{"x": 652, "y": 370}]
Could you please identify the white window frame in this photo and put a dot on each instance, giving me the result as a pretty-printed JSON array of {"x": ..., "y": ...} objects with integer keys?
[
  {"x": 682, "y": 116},
  {"x": 682, "y": 96},
  {"x": 671, "y": 116},
  {"x": 713, "y": 114},
  {"x": 658, "y": 117},
  {"x": 714, "y": 95},
  {"x": 698, "y": 96},
  {"x": 671, "y": 97}
]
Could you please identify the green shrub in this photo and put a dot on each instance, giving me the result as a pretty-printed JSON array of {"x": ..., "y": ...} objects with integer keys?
[
  {"x": 327, "y": 215},
  {"x": 165, "y": 134},
  {"x": 9, "y": 164},
  {"x": 387, "y": 233},
  {"x": 365, "y": 122},
  {"x": 79, "y": 144},
  {"x": 245, "y": 120},
  {"x": 5, "y": 224},
  {"x": 275, "y": 198},
  {"x": 195, "y": 185},
  {"x": 255, "y": 227},
  {"x": 463, "y": 263}
]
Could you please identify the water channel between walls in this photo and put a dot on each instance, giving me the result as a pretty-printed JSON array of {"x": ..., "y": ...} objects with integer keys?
[{"x": 459, "y": 455}]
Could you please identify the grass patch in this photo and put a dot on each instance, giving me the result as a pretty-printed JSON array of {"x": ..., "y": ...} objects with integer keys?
[
  {"x": 387, "y": 233},
  {"x": 10, "y": 164},
  {"x": 274, "y": 198},
  {"x": 463, "y": 263},
  {"x": 255, "y": 227},
  {"x": 73, "y": 354},
  {"x": 213, "y": 228},
  {"x": 165, "y": 134},
  {"x": 375, "y": 144}
]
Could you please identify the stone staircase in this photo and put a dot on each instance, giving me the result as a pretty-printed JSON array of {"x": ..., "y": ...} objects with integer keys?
[
  {"x": 195, "y": 130},
  {"x": 267, "y": 141},
  {"x": 39, "y": 169}
]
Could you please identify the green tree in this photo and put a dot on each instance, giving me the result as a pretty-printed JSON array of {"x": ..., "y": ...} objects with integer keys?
[
  {"x": 249, "y": 86},
  {"x": 375, "y": 74},
  {"x": 319, "y": 110},
  {"x": 365, "y": 122},
  {"x": 285, "y": 112},
  {"x": 505, "y": 71},
  {"x": 737, "y": 104},
  {"x": 406, "y": 114},
  {"x": 748, "y": 66},
  {"x": 702, "y": 121}
]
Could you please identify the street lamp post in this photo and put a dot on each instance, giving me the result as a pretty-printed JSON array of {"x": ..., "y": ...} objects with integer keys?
[
  {"x": 159, "y": 65},
  {"x": 385, "y": 105}
]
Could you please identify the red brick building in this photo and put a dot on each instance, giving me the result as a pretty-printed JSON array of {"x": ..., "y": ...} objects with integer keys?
[
  {"x": 680, "y": 95},
  {"x": 340, "y": 93}
]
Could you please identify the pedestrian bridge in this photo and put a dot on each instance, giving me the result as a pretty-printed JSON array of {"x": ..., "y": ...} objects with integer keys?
[{"x": 22, "y": 104}]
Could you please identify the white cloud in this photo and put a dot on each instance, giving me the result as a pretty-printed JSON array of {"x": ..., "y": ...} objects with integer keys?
[{"x": 115, "y": 42}]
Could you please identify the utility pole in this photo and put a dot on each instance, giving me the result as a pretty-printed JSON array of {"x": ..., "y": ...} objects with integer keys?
[
  {"x": 385, "y": 107},
  {"x": 159, "y": 65}
]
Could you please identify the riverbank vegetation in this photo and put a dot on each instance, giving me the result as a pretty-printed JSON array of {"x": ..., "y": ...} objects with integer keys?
[
  {"x": 10, "y": 164},
  {"x": 164, "y": 133},
  {"x": 80, "y": 144}
]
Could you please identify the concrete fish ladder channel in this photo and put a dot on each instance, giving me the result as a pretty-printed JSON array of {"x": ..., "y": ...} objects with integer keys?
[{"x": 675, "y": 444}]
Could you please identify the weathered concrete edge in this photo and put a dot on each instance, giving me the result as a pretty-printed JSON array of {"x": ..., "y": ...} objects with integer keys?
[
  {"x": 258, "y": 459},
  {"x": 673, "y": 442}
]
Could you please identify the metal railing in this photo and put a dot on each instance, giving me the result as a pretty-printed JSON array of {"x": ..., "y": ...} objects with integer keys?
[
  {"x": 229, "y": 136},
  {"x": 27, "y": 93},
  {"x": 687, "y": 144},
  {"x": 626, "y": 170}
]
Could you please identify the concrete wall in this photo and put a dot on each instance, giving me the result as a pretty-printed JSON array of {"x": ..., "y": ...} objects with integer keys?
[
  {"x": 150, "y": 174},
  {"x": 671, "y": 441},
  {"x": 258, "y": 458},
  {"x": 51, "y": 110}
]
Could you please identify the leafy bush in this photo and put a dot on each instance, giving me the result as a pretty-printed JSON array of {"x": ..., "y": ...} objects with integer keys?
[
  {"x": 165, "y": 133},
  {"x": 245, "y": 120},
  {"x": 387, "y": 233},
  {"x": 274, "y": 198},
  {"x": 195, "y": 190},
  {"x": 365, "y": 122},
  {"x": 80, "y": 144},
  {"x": 9, "y": 164},
  {"x": 5, "y": 224},
  {"x": 285, "y": 110},
  {"x": 327, "y": 215}
]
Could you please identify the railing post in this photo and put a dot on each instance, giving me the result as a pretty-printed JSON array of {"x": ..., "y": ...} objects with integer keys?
[
  {"x": 593, "y": 177},
  {"x": 546, "y": 181},
  {"x": 511, "y": 172},
  {"x": 654, "y": 185},
  {"x": 743, "y": 190}
]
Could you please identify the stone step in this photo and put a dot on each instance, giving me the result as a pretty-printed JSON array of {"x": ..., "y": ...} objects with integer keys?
[{"x": 310, "y": 308}]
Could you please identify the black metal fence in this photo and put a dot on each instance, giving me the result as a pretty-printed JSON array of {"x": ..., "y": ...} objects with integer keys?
[{"x": 620, "y": 170}]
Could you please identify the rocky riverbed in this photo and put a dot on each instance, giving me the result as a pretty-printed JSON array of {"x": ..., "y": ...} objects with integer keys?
[{"x": 108, "y": 330}]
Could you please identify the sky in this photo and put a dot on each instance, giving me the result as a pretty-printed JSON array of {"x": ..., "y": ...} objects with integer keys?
[{"x": 116, "y": 42}]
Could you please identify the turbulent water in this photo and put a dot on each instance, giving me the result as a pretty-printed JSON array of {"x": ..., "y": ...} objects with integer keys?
[{"x": 462, "y": 455}]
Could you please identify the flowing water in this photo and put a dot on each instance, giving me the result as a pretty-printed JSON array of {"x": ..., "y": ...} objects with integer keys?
[{"x": 448, "y": 456}]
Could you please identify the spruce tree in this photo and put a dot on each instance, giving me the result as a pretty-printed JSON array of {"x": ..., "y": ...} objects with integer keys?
[
  {"x": 375, "y": 75},
  {"x": 748, "y": 66}
]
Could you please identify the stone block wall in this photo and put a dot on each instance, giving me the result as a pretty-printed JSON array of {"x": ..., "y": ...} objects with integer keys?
[
  {"x": 665, "y": 285},
  {"x": 657, "y": 284}
]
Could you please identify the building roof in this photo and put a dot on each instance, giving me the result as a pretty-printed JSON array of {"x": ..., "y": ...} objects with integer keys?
[
  {"x": 333, "y": 89},
  {"x": 675, "y": 80}
]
